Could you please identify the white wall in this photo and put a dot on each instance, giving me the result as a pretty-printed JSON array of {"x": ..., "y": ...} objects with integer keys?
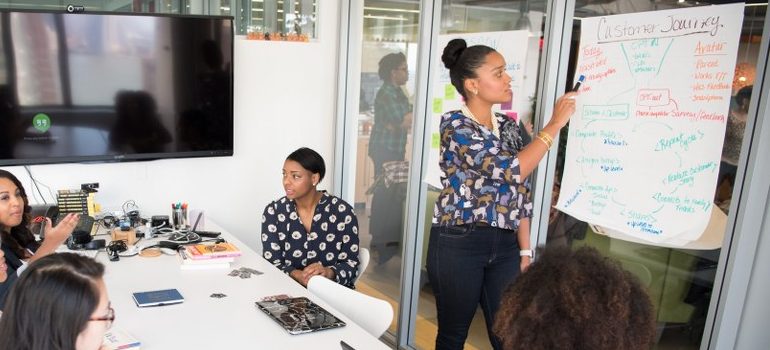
[{"x": 284, "y": 98}]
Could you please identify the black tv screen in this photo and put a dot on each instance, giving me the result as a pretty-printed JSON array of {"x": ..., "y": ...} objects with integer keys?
[{"x": 79, "y": 87}]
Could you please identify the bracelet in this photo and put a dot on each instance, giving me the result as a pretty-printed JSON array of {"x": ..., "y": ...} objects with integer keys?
[
  {"x": 547, "y": 144},
  {"x": 545, "y": 135},
  {"x": 525, "y": 252}
]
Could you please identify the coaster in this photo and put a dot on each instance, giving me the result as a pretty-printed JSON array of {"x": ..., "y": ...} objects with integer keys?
[{"x": 150, "y": 252}]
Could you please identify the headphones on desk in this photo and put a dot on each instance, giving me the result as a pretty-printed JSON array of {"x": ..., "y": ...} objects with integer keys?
[
  {"x": 75, "y": 244},
  {"x": 115, "y": 248}
]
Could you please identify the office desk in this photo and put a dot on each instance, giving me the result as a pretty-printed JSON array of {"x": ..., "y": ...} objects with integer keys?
[{"x": 203, "y": 322}]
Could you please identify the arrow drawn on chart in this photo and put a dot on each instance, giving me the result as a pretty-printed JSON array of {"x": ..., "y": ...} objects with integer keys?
[
  {"x": 612, "y": 99},
  {"x": 675, "y": 188},
  {"x": 657, "y": 210},
  {"x": 625, "y": 55},
  {"x": 664, "y": 57},
  {"x": 678, "y": 157},
  {"x": 616, "y": 202}
]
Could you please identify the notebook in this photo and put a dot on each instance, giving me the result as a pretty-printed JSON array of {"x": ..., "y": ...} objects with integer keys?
[
  {"x": 299, "y": 315},
  {"x": 158, "y": 297}
]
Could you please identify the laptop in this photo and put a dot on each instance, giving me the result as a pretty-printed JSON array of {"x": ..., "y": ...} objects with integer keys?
[{"x": 299, "y": 315}]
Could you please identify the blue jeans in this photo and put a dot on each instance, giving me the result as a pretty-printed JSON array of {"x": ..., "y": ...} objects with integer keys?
[{"x": 469, "y": 265}]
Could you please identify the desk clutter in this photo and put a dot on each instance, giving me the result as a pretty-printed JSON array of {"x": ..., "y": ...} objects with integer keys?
[{"x": 141, "y": 251}]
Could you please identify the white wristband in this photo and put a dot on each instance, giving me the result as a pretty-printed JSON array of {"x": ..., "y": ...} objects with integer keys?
[{"x": 525, "y": 252}]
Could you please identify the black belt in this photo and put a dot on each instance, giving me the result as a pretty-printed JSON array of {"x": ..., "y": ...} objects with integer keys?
[{"x": 475, "y": 224}]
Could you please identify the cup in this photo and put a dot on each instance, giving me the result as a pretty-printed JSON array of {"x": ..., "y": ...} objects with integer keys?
[{"x": 179, "y": 219}]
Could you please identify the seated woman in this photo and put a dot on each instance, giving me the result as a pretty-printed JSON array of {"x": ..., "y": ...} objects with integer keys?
[
  {"x": 60, "y": 302},
  {"x": 310, "y": 232},
  {"x": 575, "y": 300},
  {"x": 19, "y": 243}
]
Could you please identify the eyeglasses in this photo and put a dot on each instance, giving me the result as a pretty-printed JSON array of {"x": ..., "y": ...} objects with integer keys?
[{"x": 109, "y": 318}]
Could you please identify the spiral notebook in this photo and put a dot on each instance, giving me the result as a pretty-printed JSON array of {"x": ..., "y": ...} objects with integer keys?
[{"x": 299, "y": 315}]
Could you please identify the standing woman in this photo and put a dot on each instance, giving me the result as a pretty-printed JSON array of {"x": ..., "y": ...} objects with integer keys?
[
  {"x": 18, "y": 242},
  {"x": 392, "y": 120},
  {"x": 474, "y": 249},
  {"x": 310, "y": 232}
]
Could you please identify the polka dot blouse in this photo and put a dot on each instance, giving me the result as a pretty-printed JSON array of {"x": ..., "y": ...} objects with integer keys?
[{"x": 332, "y": 240}]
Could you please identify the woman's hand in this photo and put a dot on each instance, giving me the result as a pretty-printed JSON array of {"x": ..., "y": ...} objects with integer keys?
[
  {"x": 563, "y": 110},
  {"x": 297, "y": 276},
  {"x": 524, "y": 264},
  {"x": 315, "y": 269},
  {"x": 407, "y": 123},
  {"x": 55, "y": 236},
  {"x": 63, "y": 229}
]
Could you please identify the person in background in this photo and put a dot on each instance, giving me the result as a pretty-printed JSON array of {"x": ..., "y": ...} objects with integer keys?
[
  {"x": 731, "y": 149},
  {"x": 392, "y": 120},
  {"x": 60, "y": 302},
  {"x": 18, "y": 242},
  {"x": 310, "y": 232},
  {"x": 575, "y": 300},
  {"x": 138, "y": 126},
  {"x": 476, "y": 247}
]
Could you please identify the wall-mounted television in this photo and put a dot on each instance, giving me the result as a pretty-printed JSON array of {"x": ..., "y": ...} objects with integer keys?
[{"x": 92, "y": 87}]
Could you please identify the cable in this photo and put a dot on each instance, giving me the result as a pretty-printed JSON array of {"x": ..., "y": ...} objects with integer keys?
[
  {"x": 129, "y": 206},
  {"x": 34, "y": 182}
]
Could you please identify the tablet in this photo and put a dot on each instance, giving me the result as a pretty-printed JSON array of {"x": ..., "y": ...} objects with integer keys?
[
  {"x": 299, "y": 315},
  {"x": 158, "y": 298}
]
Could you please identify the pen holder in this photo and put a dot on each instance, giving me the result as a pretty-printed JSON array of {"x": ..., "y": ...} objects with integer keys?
[{"x": 179, "y": 219}]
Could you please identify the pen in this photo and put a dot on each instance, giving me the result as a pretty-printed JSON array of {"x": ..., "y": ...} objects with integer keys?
[
  {"x": 197, "y": 220},
  {"x": 579, "y": 82}
]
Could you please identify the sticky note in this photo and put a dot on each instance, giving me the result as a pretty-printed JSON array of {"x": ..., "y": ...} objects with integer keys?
[
  {"x": 435, "y": 140},
  {"x": 449, "y": 92},
  {"x": 438, "y": 105}
]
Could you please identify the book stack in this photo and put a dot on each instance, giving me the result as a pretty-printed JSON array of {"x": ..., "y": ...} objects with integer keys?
[
  {"x": 117, "y": 339},
  {"x": 208, "y": 256},
  {"x": 75, "y": 201}
]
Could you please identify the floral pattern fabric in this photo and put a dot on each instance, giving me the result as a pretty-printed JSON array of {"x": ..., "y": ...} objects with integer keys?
[
  {"x": 332, "y": 240},
  {"x": 481, "y": 179}
]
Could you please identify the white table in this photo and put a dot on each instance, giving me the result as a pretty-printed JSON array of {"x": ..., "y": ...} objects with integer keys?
[{"x": 203, "y": 322}]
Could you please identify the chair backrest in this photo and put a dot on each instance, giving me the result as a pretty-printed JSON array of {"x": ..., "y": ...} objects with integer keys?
[
  {"x": 363, "y": 261},
  {"x": 372, "y": 314}
]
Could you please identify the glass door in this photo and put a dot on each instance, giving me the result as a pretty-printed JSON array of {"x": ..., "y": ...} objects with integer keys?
[{"x": 383, "y": 141}]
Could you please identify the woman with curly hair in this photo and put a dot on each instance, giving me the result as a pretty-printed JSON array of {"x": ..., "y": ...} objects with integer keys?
[
  {"x": 575, "y": 300},
  {"x": 18, "y": 242}
]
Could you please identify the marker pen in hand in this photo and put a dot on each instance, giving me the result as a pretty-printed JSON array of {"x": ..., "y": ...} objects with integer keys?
[{"x": 579, "y": 82}]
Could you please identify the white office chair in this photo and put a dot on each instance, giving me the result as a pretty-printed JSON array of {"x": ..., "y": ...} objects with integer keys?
[
  {"x": 372, "y": 314},
  {"x": 363, "y": 261}
]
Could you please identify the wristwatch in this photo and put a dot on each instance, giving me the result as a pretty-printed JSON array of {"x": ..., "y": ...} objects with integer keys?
[{"x": 525, "y": 252}]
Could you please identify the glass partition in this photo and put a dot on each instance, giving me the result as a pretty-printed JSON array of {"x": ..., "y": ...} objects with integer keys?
[
  {"x": 679, "y": 276},
  {"x": 384, "y": 141}
]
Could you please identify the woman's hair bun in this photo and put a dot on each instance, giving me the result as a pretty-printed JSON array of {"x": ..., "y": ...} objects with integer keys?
[{"x": 452, "y": 52}]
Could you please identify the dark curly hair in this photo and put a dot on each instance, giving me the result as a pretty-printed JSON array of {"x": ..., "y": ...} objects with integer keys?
[
  {"x": 462, "y": 61},
  {"x": 575, "y": 300},
  {"x": 18, "y": 238},
  {"x": 310, "y": 160},
  {"x": 388, "y": 63}
]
